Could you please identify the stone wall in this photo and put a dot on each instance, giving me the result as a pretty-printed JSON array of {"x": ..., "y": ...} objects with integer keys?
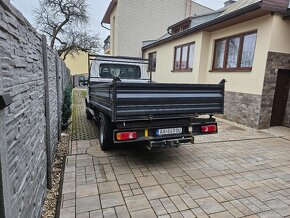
[
  {"x": 24, "y": 143},
  {"x": 275, "y": 62},
  {"x": 242, "y": 108}
]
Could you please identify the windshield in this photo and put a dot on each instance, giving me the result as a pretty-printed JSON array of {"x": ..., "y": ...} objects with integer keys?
[{"x": 123, "y": 71}]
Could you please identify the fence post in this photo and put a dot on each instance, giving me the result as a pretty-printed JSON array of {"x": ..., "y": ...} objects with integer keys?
[
  {"x": 47, "y": 116},
  {"x": 5, "y": 197},
  {"x": 58, "y": 97}
]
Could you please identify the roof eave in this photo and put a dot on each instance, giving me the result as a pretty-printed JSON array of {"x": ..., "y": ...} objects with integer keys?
[
  {"x": 202, "y": 26},
  {"x": 112, "y": 5}
]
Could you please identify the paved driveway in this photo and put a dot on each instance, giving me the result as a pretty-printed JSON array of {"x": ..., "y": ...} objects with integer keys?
[{"x": 237, "y": 173}]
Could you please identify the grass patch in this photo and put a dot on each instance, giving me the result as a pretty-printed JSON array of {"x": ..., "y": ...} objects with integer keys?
[{"x": 84, "y": 93}]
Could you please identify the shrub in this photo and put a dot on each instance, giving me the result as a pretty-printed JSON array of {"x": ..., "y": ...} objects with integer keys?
[{"x": 66, "y": 107}]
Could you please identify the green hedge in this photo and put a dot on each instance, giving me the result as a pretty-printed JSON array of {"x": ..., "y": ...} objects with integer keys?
[{"x": 66, "y": 107}]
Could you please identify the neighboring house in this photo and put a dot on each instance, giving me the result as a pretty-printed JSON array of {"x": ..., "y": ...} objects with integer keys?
[
  {"x": 248, "y": 44},
  {"x": 78, "y": 65},
  {"x": 132, "y": 22}
]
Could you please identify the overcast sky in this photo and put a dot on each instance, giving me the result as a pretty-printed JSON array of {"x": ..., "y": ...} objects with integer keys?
[{"x": 97, "y": 9}]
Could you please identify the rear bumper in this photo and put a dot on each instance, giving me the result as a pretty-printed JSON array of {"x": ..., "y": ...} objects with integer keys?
[{"x": 150, "y": 134}]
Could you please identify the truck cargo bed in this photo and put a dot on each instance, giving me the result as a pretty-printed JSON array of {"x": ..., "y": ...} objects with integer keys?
[{"x": 150, "y": 101}]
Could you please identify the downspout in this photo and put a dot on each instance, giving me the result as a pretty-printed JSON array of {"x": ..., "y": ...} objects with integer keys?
[
  {"x": 168, "y": 31},
  {"x": 102, "y": 24}
]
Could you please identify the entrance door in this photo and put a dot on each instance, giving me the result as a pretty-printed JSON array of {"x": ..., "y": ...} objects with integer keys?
[{"x": 280, "y": 98}]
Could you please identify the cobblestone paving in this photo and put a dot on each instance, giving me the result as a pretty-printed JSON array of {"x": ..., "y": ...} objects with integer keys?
[
  {"x": 82, "y": 128},
  {"x": 237, "y": 173}
]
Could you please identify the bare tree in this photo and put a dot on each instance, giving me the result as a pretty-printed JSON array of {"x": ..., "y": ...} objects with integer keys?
[{"x": 63, "y": 21}]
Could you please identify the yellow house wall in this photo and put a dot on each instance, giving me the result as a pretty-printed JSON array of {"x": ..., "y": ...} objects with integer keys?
[
  {"x": 244, "y": 82},
  {"x": 77, "y": 63},
  {"x": 280, "y": 40},
  {"x": 165, "y": 56}
]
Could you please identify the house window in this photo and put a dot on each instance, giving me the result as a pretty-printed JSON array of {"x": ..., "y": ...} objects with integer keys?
[
  {"x": 152, "y": 61},
  {"x": 183, "y": 57},
  {"x": 235, "y": 52},
  {"x": 179, "y": 29}
]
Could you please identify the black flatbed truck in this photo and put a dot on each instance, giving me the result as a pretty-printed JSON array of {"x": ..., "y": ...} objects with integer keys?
[{"x": 128, "y": 107}]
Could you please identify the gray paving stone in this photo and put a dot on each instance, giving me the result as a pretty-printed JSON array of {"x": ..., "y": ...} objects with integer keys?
[
  {"x": 126, "y": 179},
  {"x": 87, "y": 190},
  {"x": 154, "y": 192},
  {"x": 67, "y": 212},
  {"x": 169, "y": 205},
  {"x": 122, "y": 212},
  {"x": 122, "y": 170},
  {"x": 164, "y": 178},
  {"x": 69, "y": 203},
  {"x": 96, "y": 214},
  {"x": 210, "y": 205},
  {"x": 108, "y": 187},
  {"x": 87, "y": 204},
  {"x": 207, "y": 183},
  {"x": 224, "y": 214},
  {"x": 83, "y": 215},
  {"x": 196, "y": 192},
  {"x": 176, "y": 215},
  {"x": 178, "y": 202},
  {"x": 145, "y": 181},
  {"x": 68, "y": 187},
  {"x": 109, "y": 213},
  {"x": 135, "y": 203},
  {"x": 188, "y": 201},
  {"x": 279, "y": 206},
  {"x": 269, "y": 214},
  {"x": 112, "y": 200},
  {"x": 158, "y": 207},
  {"x": 69, "y": 196},
  {"x": 188, "y": 214},
  {"x": 148, "y": 213},
  {"x": 173, "y": 189},
  {"x": 195, "y": 174},
  {"x": 69, "y": 177}
]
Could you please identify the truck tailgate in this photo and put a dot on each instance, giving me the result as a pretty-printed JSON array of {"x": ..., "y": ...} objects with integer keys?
[{"x": 137, "y": 101}]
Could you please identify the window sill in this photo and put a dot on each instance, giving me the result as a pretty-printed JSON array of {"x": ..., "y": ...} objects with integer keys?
[
  {"x": 183, "y": 70},
  {"x": 230, "y": 70}
]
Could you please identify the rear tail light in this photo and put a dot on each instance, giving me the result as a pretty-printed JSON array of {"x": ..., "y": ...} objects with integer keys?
[
  {"x": 208, "y": 128},
  {"x": 123, "y": 136}
]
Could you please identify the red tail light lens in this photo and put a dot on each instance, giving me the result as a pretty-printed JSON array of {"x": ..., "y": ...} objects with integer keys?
[
  {"x": 208, "y": 128},
  {"x": 123, "y": 136}
]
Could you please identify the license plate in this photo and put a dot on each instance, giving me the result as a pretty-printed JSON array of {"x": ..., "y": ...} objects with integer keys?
[{"x": 171, "y": 131}]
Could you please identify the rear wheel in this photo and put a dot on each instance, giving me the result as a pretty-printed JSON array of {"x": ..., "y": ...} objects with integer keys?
[{"x": 105, "y": 132}]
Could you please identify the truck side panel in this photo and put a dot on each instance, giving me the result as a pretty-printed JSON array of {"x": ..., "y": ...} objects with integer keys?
[{"x": 100, "y": 95}]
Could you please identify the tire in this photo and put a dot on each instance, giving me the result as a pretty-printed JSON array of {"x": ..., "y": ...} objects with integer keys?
[{"x": 105, "y": 133}]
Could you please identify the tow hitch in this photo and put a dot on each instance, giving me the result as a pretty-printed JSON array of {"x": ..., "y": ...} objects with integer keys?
[{"x": 172, "y": 143}]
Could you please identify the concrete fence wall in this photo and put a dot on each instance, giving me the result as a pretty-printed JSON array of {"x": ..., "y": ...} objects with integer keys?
[{"x": 34, "y": 77}]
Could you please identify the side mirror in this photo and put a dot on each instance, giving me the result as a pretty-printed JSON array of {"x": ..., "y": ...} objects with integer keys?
[{"x": 83, "y": 83}]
